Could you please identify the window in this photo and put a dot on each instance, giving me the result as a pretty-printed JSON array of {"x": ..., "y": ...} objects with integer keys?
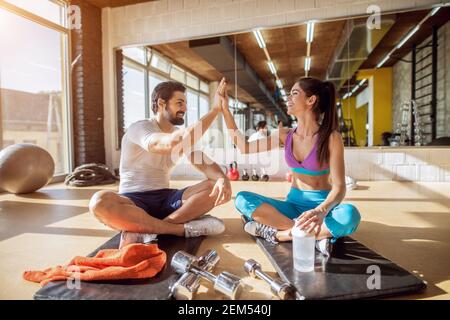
[
  {"x": 192, "y": 81},
  {"x": 203, "y": 105},
  {"x": 46, "y": 9},
  {"x": 192, "y": 107},
  {"x": 134, "y": 95},
  {"x": 204, "y": 87},
  {"x": 177, "y": 74},
  {"x": 33, "y": 84},
  {"x": 136, "y": 54},
  {"x": 160, "y": 63},
  {"x": 137, "y": 89}
]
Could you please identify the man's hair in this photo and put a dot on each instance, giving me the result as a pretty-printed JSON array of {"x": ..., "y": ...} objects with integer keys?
[
  {"x": 261, "y": 125},
  {"x": 165, "y": 91}
]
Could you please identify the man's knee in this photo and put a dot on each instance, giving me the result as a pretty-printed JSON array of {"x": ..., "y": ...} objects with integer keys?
[{"x": 102, "y": 204}]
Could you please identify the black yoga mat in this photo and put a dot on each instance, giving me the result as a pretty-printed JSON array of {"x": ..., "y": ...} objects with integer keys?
[
  {"x": 348, "y": 274},
  {"x": 156, "y": 288}
]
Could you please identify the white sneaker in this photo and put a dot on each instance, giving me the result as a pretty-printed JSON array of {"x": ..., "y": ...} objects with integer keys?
[
  {"x": 203, "y": 226},
  {"x": 324, "y": 246},
  {"x": 257, "y": 229},
  {"x": 134, "y": 237}
]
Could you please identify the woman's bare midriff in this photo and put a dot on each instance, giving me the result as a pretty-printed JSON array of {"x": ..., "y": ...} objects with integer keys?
[{"x": 306, "y": 182}]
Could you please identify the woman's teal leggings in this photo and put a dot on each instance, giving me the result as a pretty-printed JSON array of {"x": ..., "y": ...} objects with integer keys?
[{"x": 341, "y": 221}]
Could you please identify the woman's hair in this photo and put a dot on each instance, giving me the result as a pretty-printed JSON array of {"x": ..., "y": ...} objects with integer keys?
[
  {"x": 326, "y": 105},
  {"x": 261, "y": 125}
]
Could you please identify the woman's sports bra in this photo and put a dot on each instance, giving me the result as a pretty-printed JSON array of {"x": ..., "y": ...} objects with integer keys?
[{"x": 310, "y": 164}]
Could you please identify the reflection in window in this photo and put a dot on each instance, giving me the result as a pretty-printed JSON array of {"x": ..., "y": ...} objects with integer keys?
[
  {"x": 192, "y": 107},
  {"x": 33, "y": 105},
  {"x": 136, "y": 54},
  {"x": 177, "y": 74},
  {"x": 134, "y": 95},
  {"x": 160, "y": 63}
]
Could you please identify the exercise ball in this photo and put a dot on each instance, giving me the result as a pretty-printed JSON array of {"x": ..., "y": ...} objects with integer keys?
[{"x": 25, "y": 168}]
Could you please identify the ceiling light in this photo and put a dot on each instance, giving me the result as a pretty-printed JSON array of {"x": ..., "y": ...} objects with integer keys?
[
  {"x": 272, "y": 67},
  {"x": 259, "y": 38},
  {"x": 407, "y": 37},
  {"x": 279, "y": 84},
  {"x": 310, "y": 31},
  {"x": 433, "y": 12},
  {"x": 307, "y": 63},
  {"x": 379, "y": 65}
]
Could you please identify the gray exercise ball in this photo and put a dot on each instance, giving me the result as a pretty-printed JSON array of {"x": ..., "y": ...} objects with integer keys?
[{"x": 25, "y": 168}]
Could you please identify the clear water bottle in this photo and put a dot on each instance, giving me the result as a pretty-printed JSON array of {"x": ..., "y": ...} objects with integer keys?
[{"x": 303, "y": 250}]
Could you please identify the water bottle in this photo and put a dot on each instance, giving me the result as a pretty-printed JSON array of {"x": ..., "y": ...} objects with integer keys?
[{"x": 303, "y": 250}]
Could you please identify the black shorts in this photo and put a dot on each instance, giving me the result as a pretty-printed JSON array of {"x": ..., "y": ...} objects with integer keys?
[{"x": 157, "y": 203}]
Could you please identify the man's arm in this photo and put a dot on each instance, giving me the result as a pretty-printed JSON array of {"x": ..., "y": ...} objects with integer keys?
[
  {"x": 165, "y": 143},
  {"x": 222, "y": 188}
]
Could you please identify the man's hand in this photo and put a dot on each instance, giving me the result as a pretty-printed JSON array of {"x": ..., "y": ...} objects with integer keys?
[
  {"x": 221, "y": 190},
  {"x": 311, "y": 220},
  {"x": 218, "y": 96}
]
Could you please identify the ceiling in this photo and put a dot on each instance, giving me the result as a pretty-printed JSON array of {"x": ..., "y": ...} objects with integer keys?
[
  {"x": 287, "y": 48},
  {"x": 115, "y": 3}
]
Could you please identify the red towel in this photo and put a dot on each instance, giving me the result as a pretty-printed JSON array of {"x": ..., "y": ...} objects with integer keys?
[{"x": 134, "y": 261}]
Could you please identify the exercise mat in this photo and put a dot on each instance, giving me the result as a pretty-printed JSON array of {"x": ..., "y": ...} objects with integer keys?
[
  {"x": 353, "y": 271},
  {"x": 156, "y": 288}
]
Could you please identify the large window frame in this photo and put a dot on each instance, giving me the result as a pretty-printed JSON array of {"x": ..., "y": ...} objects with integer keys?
[
  {"x": 66, "y": 83},
  {"x": 149, "y": 70}
]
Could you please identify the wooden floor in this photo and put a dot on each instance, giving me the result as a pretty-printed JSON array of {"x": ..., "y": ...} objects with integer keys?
[{"x": 406, "y": 222}]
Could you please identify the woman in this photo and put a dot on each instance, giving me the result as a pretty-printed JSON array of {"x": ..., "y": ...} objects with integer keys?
[{"x": 315, "y": 153}]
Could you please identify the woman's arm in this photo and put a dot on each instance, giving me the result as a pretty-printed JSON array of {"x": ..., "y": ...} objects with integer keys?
[{"x": 238, "y": 137}]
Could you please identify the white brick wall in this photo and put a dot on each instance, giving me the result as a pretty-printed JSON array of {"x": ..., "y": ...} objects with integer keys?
[
  {"x": 178, "y": 16},
  {"x": 376, "y": 164}
]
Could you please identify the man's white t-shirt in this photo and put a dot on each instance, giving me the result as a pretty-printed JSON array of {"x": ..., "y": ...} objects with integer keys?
[
  {"x": 140, "y": 169},
  {"x": 256, "y": 136}
]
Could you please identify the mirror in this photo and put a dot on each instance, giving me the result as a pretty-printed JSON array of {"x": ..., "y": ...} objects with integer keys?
[{"x": 391, "y": 73}]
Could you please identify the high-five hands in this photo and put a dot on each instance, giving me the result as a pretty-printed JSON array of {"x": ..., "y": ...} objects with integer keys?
[{"x": 218, "y": 96}]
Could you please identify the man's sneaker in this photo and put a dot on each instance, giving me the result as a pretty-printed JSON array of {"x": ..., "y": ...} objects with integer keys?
[
  {"x": 203, "y": 226},
  {"x": 266, "y": 232},
  {"x": 134, "y": 237},
  {"x": 324, "y": 246}
]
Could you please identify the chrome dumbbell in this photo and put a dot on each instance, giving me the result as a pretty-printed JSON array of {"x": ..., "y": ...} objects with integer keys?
[
  {"x": 283, "y": 290},
  {"x": 187, "y": 285},
  {"x": 224, "y": 282}
]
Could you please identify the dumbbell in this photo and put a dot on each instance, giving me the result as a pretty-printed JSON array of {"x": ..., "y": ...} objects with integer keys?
[
  {"x": 225, "y": 282},
  {"x": 187, "y": 285},
  {"x": 255, "y": 176},
  {"x": 264, "y": 175},
  {"x": 283, "y": 290},
  {"x": 245, "y": 176}
]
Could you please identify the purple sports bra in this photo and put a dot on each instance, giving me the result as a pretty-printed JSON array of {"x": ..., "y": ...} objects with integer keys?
[{"x": 310, "y": 164}]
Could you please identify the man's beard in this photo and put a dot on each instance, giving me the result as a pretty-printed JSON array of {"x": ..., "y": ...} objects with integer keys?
[{"x": 176, "y": 121}]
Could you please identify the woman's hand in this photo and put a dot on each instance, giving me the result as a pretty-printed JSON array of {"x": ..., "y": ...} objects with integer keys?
[
  {"x": 219, "y": 95},
  {"x": 311, "y": 220},
  {"x": 222, "y": 189}
]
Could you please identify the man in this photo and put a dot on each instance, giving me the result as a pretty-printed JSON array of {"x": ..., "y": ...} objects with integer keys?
[
  {"x": 261, "y": 131},
  {"x": 145, "y": 206}
]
